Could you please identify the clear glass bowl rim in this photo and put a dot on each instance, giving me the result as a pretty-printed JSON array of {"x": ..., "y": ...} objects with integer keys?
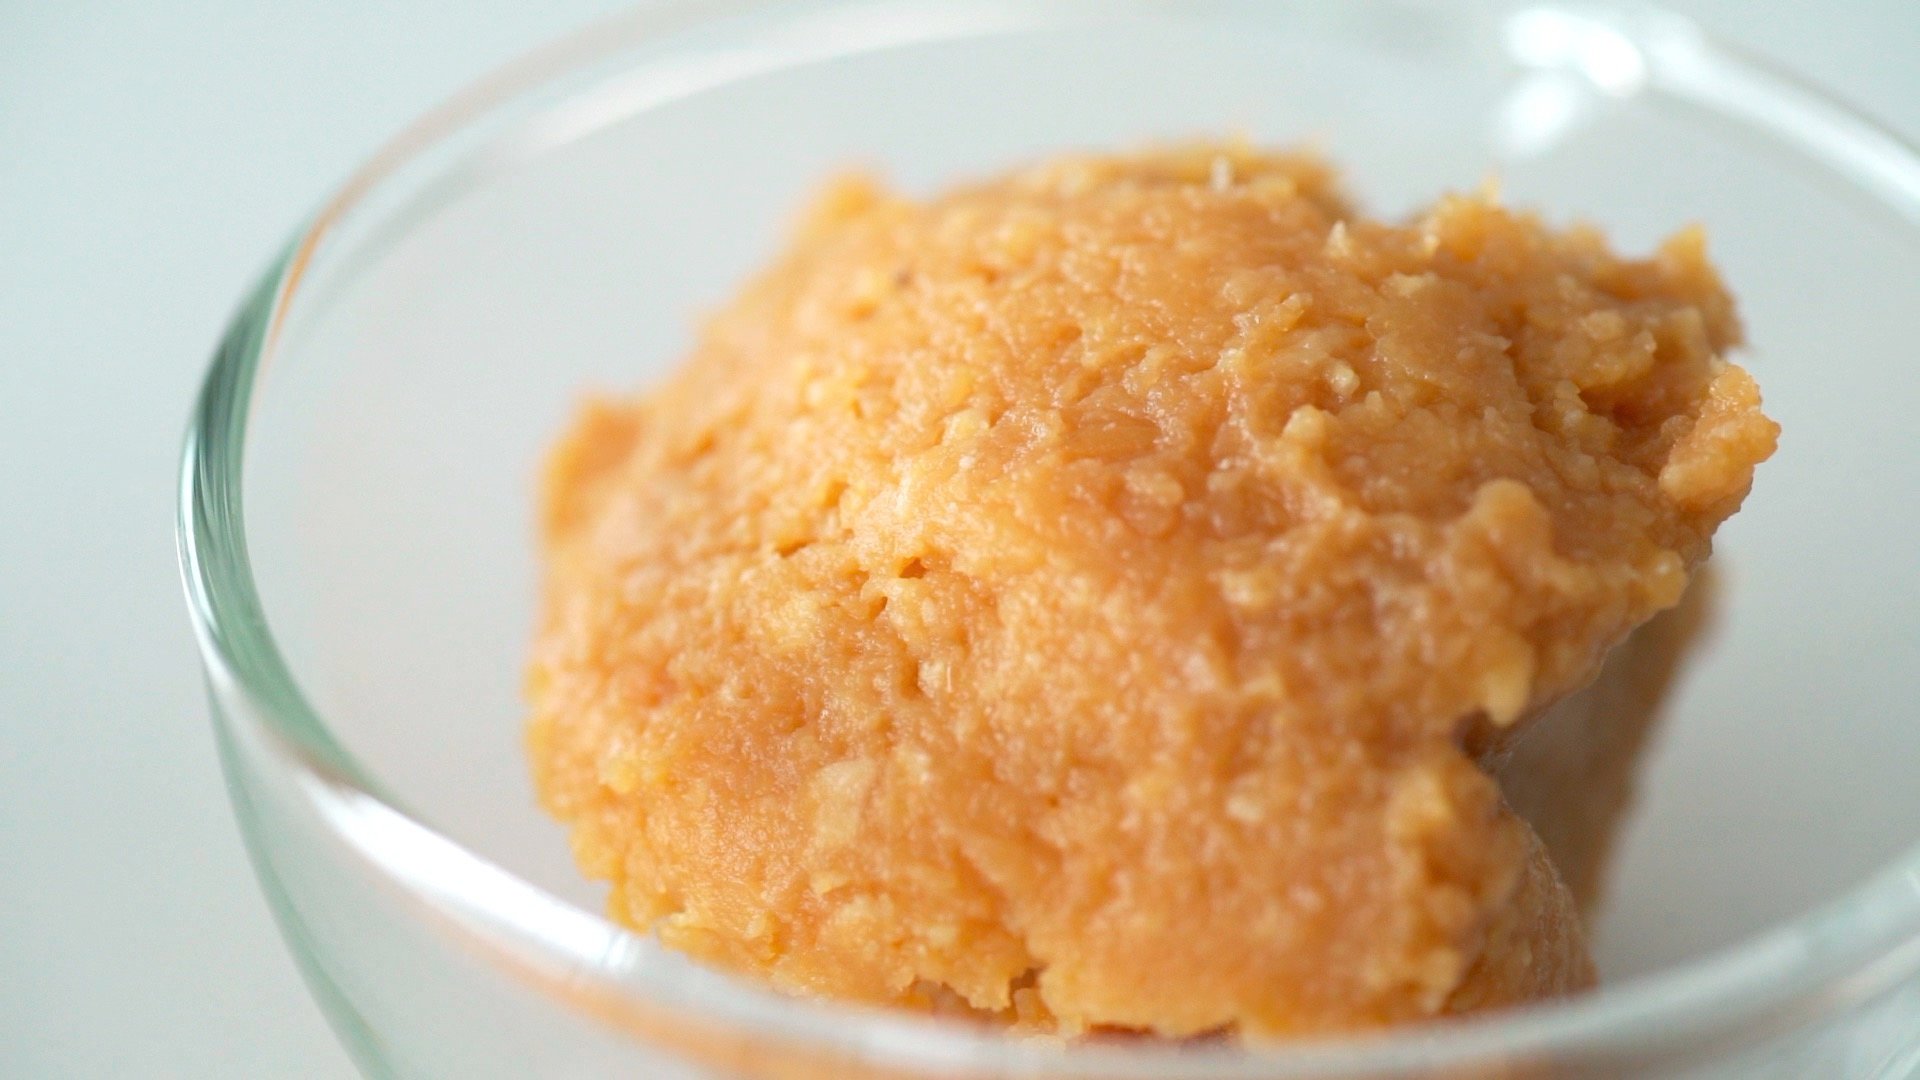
[{"x": 1844, "y": 955}]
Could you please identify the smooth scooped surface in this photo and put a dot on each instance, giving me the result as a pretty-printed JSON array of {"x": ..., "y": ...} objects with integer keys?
[
  {"x": 1087, "y": 596},
  {"x": 1573, "y": 772}
]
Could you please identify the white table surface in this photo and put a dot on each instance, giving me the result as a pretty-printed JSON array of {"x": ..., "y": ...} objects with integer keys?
[{"x": 152, "y": 152}]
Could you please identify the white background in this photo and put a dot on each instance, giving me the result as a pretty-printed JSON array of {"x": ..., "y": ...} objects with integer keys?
[{"x": 152, "y": 153}]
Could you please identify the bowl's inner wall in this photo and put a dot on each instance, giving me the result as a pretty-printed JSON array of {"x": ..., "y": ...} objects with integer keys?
[{"x": 396, "y": 437}]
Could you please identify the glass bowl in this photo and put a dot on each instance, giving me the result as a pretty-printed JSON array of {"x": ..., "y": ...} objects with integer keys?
[{"x": 357, "y": 492}]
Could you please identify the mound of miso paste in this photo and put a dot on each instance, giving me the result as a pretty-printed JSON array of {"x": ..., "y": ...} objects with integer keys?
[{"x": 1091, "y": 598}]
